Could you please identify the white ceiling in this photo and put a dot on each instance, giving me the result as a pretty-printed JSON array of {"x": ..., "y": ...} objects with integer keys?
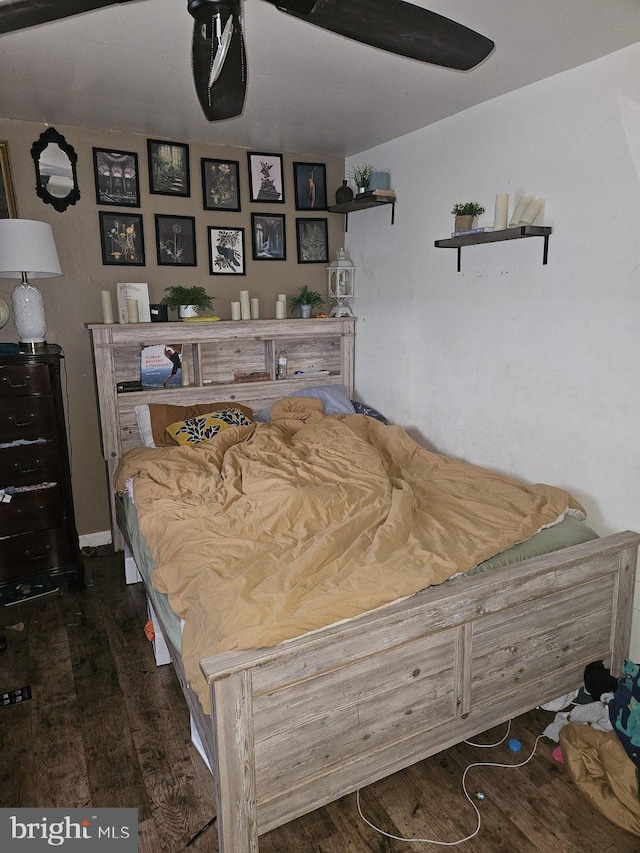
[{"x": 128, "y": 67}]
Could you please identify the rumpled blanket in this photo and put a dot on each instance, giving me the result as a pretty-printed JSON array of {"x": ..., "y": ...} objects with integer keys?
[
  {"x": 269, "y": 531},
  {"x": 602, "y": 770}
]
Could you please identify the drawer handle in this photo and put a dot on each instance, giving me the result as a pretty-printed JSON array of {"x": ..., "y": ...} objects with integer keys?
[
  {"x": 32, "y": 419},
  {"x": 37, "y": 555},
  {"x": 12, "y": 384},
  {"x": 22, "y": 470}
]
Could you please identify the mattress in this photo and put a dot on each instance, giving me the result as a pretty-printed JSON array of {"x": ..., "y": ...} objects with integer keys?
[{"x": 570, "y": 531}]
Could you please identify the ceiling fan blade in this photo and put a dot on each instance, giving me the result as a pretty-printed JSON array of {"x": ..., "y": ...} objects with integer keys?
[
  {"x": 19, "y": 14},
  {"x": 396, "y": 26},
  {"x": 218, "y": 61}
]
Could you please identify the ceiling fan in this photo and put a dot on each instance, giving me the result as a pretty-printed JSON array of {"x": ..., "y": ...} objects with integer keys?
[{"x": 218, "y": 54}]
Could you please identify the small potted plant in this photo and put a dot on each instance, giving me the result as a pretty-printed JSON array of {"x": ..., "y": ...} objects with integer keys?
[
  {"x": 305, "y": 301},
  {"x": 187, "y": 300},
  {"x": 465, "y": 212},
  {"x": 361, "y": 175}
]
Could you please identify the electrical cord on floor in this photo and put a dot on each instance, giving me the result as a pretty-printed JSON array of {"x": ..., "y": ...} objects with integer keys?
[
  {"x": 466, "y": 793},
  {"x": 201, "y": 831},
  {"x": 488, "y": 745}
]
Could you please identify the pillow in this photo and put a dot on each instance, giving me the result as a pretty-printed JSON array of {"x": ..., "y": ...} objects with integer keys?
[
  {"x": 194, "y": 430},
  {"x": 335, "y": 400},
  {"x": 363, "y": 409},
  {"x": 162, "y": 415},
  {"x": 144, "y": 425}
]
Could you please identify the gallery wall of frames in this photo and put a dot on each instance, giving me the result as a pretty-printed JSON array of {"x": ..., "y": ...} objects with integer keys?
[{"x": 118, "y": 177}]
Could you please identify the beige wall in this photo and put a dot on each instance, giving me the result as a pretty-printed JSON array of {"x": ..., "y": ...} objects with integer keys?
[{"x": 74, "y": 299}]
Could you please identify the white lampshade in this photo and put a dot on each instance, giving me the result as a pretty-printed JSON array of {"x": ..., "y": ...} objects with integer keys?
[
  {"x": 28, "y": 250},
  {"x": 28, "y": 247}
]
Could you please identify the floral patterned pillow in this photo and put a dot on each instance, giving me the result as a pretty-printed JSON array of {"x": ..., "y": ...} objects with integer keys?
[{"x": 202, "y": 427}]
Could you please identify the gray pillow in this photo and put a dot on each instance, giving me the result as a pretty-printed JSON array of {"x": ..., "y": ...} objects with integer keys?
[{"x": 335, "y": 400}]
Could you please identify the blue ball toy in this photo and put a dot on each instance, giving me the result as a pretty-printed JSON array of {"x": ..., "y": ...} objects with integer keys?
[{"x": 514, "y": 744}]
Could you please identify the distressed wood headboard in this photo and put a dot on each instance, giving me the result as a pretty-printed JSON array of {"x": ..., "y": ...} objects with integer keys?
[{"x": 216, "y": 352}]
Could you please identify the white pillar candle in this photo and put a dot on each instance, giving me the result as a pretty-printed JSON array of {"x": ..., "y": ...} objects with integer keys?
[
  {"x": 255, "y": 309},
  {"x": 184, "y": 378},
  {"x": 282, "y": 297},
  {"x": 521, "y": 206},
  {"x": 245, "y": 310},
  {"x": 501, "y": 215},
  {"x": 133, "y": 315},
  {"x": 531, "y": 211},
  {"x": 280, "y": 310},
  {"x": 107, "y": 307},
  {"x": 235, "y": 311}
]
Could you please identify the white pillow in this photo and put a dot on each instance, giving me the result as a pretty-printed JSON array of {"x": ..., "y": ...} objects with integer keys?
[{"x": 143, "y": 417}]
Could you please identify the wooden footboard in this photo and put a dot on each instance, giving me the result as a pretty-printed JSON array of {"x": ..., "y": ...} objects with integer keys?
[{"x": 299, "y": 725}]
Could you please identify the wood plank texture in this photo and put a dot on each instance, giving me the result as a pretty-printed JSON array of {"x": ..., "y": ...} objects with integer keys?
[{"x": 88, "y": 648}]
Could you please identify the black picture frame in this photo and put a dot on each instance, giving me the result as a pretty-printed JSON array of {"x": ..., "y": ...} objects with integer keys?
[
  {"x": 175, "y": 240},
  {"x": 268, "y": 237},
  {"x": 220, "y": 184},
  {"x": 226, "y": 250},
  {"x": 266, "y": 178},
  {"x": 310, "y": 182},
  {"x": 122, "y": 239},
  {"x": 312, "y": 240},
  {"x": 116, "y": 177},
  {"x": 168, "y": 168}
]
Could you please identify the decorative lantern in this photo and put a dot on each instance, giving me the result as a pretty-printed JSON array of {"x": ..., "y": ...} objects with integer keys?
[{"x": 342, "y": 274}]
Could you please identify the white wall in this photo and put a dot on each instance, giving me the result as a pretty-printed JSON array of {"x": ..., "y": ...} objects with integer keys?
[{"x": 529, "y": 369}]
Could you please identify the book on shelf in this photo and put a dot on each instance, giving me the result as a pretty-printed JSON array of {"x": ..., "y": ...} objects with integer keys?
[
  {"x": 140, "y": 293},
  {"x": 161, "y": 366},
  {"x": 472, "y": 231},
  {"x": 381, "y": 194}
]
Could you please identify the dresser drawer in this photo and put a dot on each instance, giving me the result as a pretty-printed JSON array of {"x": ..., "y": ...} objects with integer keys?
[
  {"x": 27, "y": 464},
  {"x": 27, "y": 418},
  {"x": 20, "y": 380},
  {"x": 38, "y": 509},
  {"x": 33, "y": 553}
]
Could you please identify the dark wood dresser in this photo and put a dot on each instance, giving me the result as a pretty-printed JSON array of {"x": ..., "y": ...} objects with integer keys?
[{"x": 37, "y": 524}]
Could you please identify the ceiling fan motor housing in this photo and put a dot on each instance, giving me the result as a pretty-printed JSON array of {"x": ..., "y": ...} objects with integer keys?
[{"x": 204, "y": 10}]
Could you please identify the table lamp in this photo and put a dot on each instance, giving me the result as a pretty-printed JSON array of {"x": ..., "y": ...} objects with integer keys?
[{"x": 28, "y": 250}]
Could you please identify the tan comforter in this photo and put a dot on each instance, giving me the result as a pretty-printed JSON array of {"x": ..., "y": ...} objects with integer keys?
[{"x": 272, "y": 530}]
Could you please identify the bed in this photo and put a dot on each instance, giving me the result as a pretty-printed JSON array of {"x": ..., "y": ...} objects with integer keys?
[{"x": 298, "y": 724}]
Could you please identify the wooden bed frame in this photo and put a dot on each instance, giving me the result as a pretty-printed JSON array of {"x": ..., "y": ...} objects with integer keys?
[{"x": 298, "y": 725}]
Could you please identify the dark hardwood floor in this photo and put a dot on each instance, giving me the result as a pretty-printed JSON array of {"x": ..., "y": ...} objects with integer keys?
[{"x": 105, "y": 727}]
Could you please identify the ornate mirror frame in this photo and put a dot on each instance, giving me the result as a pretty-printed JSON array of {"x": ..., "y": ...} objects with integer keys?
[{"x": 60, "y": 169}]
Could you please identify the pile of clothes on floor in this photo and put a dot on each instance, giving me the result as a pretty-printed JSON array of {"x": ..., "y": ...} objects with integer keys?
[{"x": 600, "y": 741}]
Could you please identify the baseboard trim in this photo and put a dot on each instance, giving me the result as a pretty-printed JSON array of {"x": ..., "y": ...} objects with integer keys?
[{"x": 93, "y": 540}]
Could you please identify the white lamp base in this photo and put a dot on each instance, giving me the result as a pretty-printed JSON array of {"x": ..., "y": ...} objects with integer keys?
[{"x": 28, "y": 316}]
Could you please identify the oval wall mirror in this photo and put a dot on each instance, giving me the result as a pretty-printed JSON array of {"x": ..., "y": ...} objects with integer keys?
[{"x": 56, "y": 178}]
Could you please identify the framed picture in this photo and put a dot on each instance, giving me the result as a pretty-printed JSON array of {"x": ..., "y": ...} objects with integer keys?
[
  {"x": 176, "y": 240},
  {"x": 310, "y": 181},
  {"x": 116, "y": 177},
  {"x": 312, "y": 240},
  {"x": 267, "y": 237},
  {"x": 226, "y": 251},
  {"x": 8, "y": 206},
  {"x": 168, "y": 168},
  {"x": 220, "y": 184},
  {"x": 265, "y": 178},
  {"x": 122, "y": 238}
]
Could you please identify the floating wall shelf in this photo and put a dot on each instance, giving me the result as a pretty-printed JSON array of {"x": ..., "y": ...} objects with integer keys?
[
  {"x": 496, "y": 237},
  {"x": 362, "y": 203}
]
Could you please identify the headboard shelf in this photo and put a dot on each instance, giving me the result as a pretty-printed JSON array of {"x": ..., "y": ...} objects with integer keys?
[{"x": 215, "y": 351}]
